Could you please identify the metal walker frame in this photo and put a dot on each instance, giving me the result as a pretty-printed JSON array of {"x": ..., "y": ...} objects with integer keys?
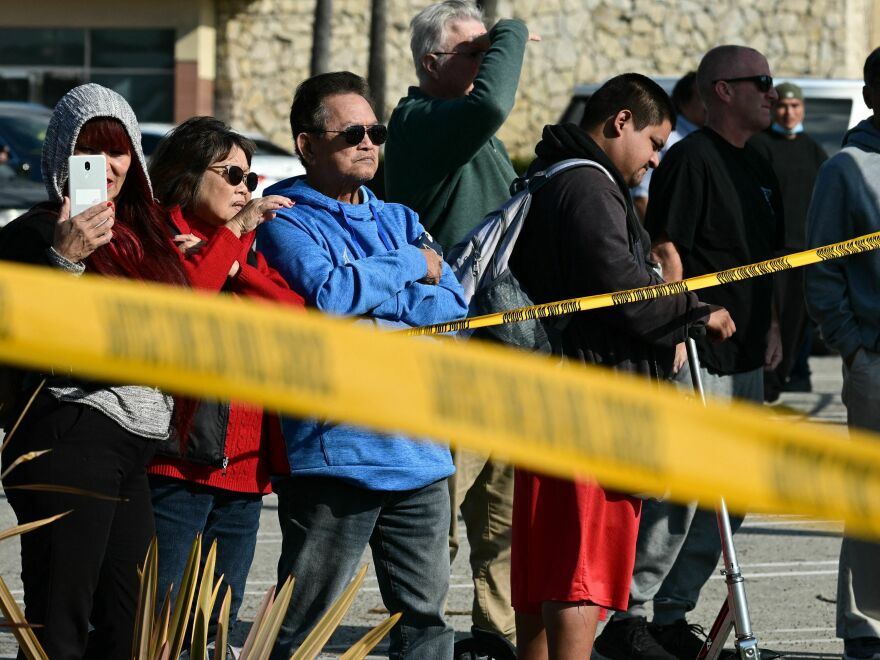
[{"x": 734, "y": 613}]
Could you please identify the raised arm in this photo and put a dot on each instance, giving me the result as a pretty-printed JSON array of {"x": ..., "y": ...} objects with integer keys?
[{"x": 471, "y": 120}]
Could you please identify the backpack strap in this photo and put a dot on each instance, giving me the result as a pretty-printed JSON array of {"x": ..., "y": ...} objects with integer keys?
[
  {"x": 556, "y": 326},
  {"x": 538, "y": 179}
]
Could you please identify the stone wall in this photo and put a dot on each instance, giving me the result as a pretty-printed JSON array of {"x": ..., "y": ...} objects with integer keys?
[{"x": 264, "y": 48}]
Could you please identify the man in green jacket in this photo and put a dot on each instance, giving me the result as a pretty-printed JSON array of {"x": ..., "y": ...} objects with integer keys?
[{"x": 443, "y": 160}]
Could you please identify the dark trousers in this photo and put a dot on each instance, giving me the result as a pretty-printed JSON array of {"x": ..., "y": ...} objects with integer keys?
[
  {"x": 326, "y": 524},
  {"x": 82, "y": 568}
]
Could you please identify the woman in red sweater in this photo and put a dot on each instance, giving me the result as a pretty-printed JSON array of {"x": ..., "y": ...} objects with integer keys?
[{"x": 213, "y": 482}]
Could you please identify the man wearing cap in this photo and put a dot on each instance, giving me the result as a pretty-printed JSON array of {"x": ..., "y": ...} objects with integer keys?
[
  {"x": 842, "y": 299},
  {"x": 796, "y": 158}
]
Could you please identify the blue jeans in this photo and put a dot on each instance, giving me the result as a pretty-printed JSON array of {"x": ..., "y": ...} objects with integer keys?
[
  {"x": 326, "y": 525},
  {"x": 183, "y": 509}
]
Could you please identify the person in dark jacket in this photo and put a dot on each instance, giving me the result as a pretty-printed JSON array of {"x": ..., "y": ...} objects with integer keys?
[
  {"x": 574, "y": 541},
  {"x": 715, "y": 204},
  {"x": 201, "y": 174}
]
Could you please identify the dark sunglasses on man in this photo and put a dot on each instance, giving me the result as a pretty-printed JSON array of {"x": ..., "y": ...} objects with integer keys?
[
  {"x": 355, "y": 134},
  {"x": 235, "y": 175},
  {"x": 763, "y": 83}
]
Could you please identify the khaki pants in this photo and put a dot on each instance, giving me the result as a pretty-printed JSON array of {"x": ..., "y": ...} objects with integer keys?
[{"x": 483, "y": 490}]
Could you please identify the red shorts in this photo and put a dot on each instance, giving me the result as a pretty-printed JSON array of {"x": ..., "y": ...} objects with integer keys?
[{"x": 573, "y": 541}]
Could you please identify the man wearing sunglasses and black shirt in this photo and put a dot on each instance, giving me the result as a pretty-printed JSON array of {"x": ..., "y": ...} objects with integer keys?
[{"x": 715, "y": 204}]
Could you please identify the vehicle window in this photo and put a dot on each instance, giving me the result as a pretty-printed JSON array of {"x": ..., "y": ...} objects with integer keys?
[
  {"x": 266, "y": 148},
  {"x": 827, "y": 120},
  {"x": 149, "y": 142},
  {"x": 44, "y": 64},
  {"x": 24, "y": 134},
  {"x": 575, "y": 110}
]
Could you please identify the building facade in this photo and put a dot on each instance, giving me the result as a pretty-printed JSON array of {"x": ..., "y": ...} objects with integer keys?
[{"x": 242, "y": 59}]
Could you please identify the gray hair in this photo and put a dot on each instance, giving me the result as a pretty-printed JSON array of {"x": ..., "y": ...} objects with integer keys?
[
  {"x": 75, "y": 108},
  {"x": 428, "y": 28}
]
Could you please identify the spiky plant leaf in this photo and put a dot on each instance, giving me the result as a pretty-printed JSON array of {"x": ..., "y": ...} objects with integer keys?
[
  {"x": 164, "y": 652},
  {"x": 160, "y": 627},
  {"x": 198, "y": 646},
  {"x": 312, "y": 645},
  {"x": 70, "y": 490},
  {"x": 270, "y": 624},
  {"x": 265, "y": 605},
  {"x": 24, "y": 458},
  {"x": 365, "y": 644},
  {"x": 21, "y": 415},
  {"x": 146, "y": 603},
  {"x": 27, "y": 527},
  {"x": 24, "y": 634},
  {"x": 204, "y": 604},
  {"x": 221, "y": 639},
  {"x": 183, "y": 604}
]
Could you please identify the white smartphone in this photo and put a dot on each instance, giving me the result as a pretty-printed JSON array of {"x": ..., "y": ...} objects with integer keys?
[{"x": 87, "y": 182}]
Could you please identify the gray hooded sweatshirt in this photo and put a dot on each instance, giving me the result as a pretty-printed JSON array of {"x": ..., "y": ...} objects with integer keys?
[{"x": 843, "y": 295}]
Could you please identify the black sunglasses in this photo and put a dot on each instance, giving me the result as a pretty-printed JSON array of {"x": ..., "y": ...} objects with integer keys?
[
  {"x": 355, "y": 134},
  {"x": 763, "y": 83},
  {"x": 235, "y": 175}
]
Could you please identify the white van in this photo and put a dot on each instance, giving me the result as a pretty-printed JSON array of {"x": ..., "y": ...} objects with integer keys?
[{"x": 832, "y": 106}]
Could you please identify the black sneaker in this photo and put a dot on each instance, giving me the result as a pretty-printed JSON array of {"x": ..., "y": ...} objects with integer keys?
[
  {"x": 683, "y": 640},
  {"x": 628, "y": 639},
  {"x": 861, "y": 648}
]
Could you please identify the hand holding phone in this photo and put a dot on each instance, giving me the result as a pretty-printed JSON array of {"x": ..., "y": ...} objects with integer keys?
[{"x": 87, "y": 182}]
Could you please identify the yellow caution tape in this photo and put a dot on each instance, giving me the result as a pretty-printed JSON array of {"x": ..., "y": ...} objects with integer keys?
[
  {"x": 565, "y": 419},
  {"x": 562, "y": 307}
]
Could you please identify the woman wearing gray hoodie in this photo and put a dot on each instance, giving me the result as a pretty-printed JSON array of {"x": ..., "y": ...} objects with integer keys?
[{"x": 82, "y": 569}]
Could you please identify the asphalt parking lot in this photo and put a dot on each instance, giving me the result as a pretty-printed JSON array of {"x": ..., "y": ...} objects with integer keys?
[{"x": 790, "y": 563}]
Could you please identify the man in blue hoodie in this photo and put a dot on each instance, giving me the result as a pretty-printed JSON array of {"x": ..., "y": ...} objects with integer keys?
[
  {"x": 842, "y": 300},
  {"x": 348, "y": 253}
]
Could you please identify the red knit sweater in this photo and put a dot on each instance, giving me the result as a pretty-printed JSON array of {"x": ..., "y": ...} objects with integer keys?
[{"x": 254, "y": 449}]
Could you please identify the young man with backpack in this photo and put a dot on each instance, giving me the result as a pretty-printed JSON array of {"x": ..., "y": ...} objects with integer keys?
[{"x": 574, "y": 545}]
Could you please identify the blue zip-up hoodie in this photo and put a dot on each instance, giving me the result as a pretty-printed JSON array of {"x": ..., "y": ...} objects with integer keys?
[
  {"x": 335, "y": 256},
  {"x": 842, "y": 294}
]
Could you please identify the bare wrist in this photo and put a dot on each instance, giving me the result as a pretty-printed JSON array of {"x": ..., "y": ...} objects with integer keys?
[{"x": 236, "y": 227}]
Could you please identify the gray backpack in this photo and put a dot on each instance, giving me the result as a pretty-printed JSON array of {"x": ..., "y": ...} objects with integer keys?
[{"x": 480, "y": 262}]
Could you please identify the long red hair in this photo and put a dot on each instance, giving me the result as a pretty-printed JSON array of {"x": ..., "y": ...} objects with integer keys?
[{"x": 141, "y": 248}]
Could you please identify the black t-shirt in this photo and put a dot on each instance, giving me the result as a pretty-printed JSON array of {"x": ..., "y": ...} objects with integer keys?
[
  {"x": 721, "y": 207},
  {"x": 796, "y": 163}
]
